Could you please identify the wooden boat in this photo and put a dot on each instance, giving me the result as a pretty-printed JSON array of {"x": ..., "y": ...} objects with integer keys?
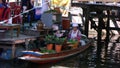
[{"x": 54, "y": 57}]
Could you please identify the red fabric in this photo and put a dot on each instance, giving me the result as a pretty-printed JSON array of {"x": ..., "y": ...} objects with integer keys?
[
  {"x": 17, "y": 11},
  {"x": 12, "y": 5},
  {"x": 1, "y": 12},
  {"x": 7, "y": 14}
]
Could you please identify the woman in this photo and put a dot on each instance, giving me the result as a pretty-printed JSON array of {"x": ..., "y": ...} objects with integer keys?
[{"x": 74, "y": 33}]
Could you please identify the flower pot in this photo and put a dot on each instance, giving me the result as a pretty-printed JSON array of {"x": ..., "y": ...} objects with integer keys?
[
  {"x": 49, "y": 46},
  {"x": 75, "y": 45},
  {"x": 58, "y": 48}
]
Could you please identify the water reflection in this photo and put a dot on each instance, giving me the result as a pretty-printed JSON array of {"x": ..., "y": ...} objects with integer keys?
[{"x": 109, "y": 58}]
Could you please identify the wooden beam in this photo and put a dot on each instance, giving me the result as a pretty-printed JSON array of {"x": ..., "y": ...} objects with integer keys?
[
  {"x": 114, "y": 28},
  {"x": 98, "y": 0}
]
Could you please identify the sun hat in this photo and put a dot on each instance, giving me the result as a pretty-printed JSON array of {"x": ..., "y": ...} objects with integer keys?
[{"x": 74, "y": 25}]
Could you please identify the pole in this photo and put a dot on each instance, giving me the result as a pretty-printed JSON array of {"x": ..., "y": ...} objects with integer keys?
[
  {"x": 99, "y": 34},
  {"x": 107, "y": 29},
  {"x": 86, "y": 21}
]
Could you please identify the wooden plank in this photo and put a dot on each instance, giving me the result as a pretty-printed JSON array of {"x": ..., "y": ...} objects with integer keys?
[
  {"x": 114, "y": 28},
  {"x": 17, "y": 40},
  {"x": 5, "y": 47}
]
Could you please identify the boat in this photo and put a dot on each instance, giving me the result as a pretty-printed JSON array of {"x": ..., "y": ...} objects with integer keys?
[{"x": 41, "y": 58}]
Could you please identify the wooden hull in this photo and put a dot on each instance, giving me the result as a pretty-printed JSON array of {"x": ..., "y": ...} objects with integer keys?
[{"x": 47, "y": 58}]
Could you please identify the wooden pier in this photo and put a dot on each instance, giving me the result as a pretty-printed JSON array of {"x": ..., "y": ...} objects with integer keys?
[
  {"x": 94, "y": 10},
  {"x": 11, "y": 43}
]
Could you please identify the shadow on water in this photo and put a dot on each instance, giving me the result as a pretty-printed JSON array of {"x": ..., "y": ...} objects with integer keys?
[{"x": 109, "y": 58}]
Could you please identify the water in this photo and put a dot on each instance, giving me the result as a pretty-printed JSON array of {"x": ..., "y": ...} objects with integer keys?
[{"x": 109, "y": 58}]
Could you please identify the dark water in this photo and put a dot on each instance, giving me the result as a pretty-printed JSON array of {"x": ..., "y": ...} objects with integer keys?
[{"x": 109, "y": 58}]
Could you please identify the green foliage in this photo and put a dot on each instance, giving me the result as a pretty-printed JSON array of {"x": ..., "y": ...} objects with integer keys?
[
  {"x": 72, "y": 41},
  {"x": 49, "y": 39},
  {"x": 44, "y": 50},
  {"x": 53, "y": 39},
  {"x": 59, "y": 40}
]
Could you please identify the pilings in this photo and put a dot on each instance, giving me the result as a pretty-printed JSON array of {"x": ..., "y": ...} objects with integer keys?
[
  {"x": 107, "y": 28},
  {"x": 86, "y": 24},
  {"x": 101, "y": 24},
  {"x": 99, "y": 32},
  {"x": 99, "y": 9}
]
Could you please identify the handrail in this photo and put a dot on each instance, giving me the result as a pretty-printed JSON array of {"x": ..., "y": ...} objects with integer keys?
[{"x": 98, "y": 0}]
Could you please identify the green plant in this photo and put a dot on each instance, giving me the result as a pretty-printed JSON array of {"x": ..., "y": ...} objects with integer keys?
[
  {"x": 59, "y": 40},
  {"x": 44, "y": 50},
  {"x": 72, "y": 41},
  {"x": 49, "y": 39}
]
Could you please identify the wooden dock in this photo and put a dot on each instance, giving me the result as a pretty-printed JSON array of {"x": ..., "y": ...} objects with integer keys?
[{"x": 11, "y": 43}]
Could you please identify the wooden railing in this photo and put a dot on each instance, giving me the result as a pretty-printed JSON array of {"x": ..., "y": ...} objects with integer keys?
[{"x": 99, "y": 0}]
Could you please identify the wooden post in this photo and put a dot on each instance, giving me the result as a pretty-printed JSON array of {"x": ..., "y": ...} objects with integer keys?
[
  {"x": 86, "y": 21},
  {"x": 26, "y": 44},
  {"x": 13, "y": 50},
  {"x": 99, "y": 33},
  {"x": 23, "y": 21},
  {"x": 107, "y": 28}
]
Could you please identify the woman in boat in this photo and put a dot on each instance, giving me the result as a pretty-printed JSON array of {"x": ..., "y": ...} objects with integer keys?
[{"x": 75, "y": 34}]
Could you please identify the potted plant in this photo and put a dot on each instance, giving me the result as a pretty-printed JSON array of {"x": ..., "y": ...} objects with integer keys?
[
  {"x": 49, "y": 41},
  {"x": 75, "y": 43},
  {"x": 58, "y": 43}
]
